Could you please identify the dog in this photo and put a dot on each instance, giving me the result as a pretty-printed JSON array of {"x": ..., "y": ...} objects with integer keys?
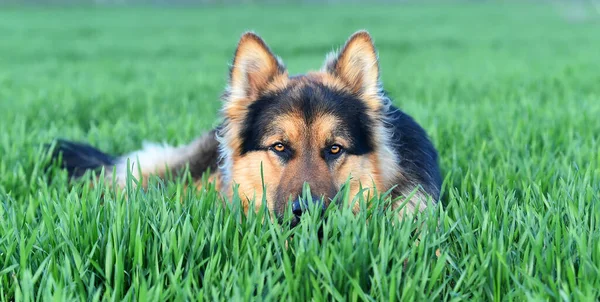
[{"x": 326, "y": 129}]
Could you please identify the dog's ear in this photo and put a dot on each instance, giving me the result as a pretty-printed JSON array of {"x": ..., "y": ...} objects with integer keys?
[
  {"x": 356, "y": 64},
  {"x": 254, "y": 67}
]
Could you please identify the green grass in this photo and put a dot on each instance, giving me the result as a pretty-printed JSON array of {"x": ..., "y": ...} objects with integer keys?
[{"x": 510, "y": 94}]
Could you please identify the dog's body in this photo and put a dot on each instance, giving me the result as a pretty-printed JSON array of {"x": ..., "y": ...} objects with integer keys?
[{"x": 324, "y": 128}]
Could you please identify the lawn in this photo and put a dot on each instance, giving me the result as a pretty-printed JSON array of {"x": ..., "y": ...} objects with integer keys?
[{"x": 509, "y": 93}]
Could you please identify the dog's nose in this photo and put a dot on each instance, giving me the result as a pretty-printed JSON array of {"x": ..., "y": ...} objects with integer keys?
[{"x": 299, "y": 205}]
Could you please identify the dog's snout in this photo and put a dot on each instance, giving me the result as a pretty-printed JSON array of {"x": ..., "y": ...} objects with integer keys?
[
  {"x": 300, "y": 205},
  {"x": 297, "y": 208}
]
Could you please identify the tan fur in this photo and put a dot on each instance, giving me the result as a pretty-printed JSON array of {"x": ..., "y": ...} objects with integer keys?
[{"x": 247, "y": 175}]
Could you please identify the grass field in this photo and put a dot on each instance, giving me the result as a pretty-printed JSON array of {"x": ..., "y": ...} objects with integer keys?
[{"x": 510, "y": 94}]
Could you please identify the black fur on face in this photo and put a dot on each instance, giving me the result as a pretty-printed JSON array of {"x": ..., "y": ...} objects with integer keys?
[{"x": 312, "y": 100}]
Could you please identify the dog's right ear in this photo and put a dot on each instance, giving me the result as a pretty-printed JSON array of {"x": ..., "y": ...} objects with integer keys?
[
  {"x": 254, "y": 67},
  {"x": 357, "y": 65}
]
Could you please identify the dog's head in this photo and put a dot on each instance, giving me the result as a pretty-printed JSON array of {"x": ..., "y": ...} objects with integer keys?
[{"x": 322, "y": 128}]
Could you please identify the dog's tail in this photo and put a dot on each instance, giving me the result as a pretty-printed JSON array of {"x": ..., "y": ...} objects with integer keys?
[
  {"x": 153, "y": 159},
  {"x": 77, "y": 158}
]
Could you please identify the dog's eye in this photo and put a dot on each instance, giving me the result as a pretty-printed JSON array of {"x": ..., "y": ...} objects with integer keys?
[
  {"x": 279, "y": 147},
  {"x": 335, "y": 149},
  {"x": 283, "y": 151},
  {"x": 333, "y": 152}
]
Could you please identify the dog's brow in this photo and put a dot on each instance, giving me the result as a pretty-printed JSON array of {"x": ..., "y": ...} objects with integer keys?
[{"x": 274, "y": 133}]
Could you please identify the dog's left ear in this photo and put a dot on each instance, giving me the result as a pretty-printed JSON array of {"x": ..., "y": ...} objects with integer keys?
[{"x": 356, "y": 64}]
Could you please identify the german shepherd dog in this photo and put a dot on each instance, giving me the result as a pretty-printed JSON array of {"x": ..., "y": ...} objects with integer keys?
[{"x": 279, "y": 132}]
